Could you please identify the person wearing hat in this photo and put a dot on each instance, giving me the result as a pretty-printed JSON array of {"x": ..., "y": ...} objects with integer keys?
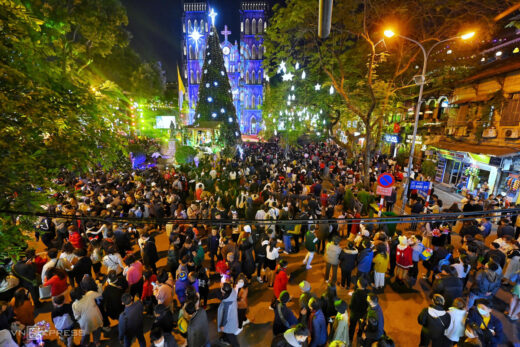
[
  {"x": 434, "y": 320},
  {"x": 305, "y": 296},
  {"x": 180, "y": 287},
  {"x": 281, "y": 279},
  {"x": 339, "y": 330},
  {"x": 284, "y": 318},
  {"x": 403, "y": 256}
]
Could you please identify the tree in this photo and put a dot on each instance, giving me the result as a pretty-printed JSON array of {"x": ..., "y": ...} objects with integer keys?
[
  {"x": 369, "y": 74},
  {"x": 52, "y": 117},
  {"x": 215, "y": 99}
]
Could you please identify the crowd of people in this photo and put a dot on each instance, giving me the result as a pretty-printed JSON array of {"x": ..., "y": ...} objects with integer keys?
[{"x": 231, "y": 223}]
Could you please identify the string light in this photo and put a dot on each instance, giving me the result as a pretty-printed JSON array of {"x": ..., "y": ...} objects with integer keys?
[
  {"x": 331, "y": 90},
  {"x": 303, "y": 75}
]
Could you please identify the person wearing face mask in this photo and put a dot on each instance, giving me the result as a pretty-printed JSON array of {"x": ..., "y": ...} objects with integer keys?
[
  {"x": 294, "y": 337},
  {"x": 242, "y": 290},
  {"x": 434, "y": 320},
  {"x": 490, "y": 327},
  {"x": 161, "y": 339},
  {"x": 227, "y": 317}
]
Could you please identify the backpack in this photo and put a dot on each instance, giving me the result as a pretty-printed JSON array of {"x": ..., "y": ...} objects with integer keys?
[{"x": 445, "y": 261}]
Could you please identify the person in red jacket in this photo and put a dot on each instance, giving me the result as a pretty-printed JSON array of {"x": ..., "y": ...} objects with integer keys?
[
  {"x": 74, "y": 237},
  {"x": 403, "y": 258},
  {"x": 147, "y": 297},
  {"x": 57, "y": 279},
  {"x": 281, "y": 279}
]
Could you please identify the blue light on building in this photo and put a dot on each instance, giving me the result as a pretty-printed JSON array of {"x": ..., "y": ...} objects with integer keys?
[{"x": 243, "y": 61}]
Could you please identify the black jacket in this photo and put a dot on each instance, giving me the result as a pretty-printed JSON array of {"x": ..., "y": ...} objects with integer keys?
[
  {"x": 150, "y": 255},
  {"x": 450, "y": 287},
  {"x": 434, "y": 321},
  {"x": 359, "y": 304},
  {"x": 347, "y": 259},
  {"x": 112, "y": 301},
  {"x": 198, "y": 329},
  {"x": 165, "y": 320},
  {"x": 131, "y": 320},
  {"x": 81, "y": 268}
]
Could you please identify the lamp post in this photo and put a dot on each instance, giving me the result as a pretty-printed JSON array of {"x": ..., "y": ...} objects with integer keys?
[{"x": 420, "y": 80}]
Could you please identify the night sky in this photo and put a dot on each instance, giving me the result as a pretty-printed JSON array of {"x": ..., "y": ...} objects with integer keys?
[{"x": 156, "y": 27}]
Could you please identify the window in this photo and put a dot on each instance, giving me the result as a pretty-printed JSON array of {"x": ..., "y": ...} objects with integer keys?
[
  {"x": 202, "y": 25},
  {"x": 462, "y": 114},
  {"x": 253, "y": 77},
  {"x": 253, "y": 52},
  {"x": 259, "y": 54},
  {"x": 253, "y": 101},
  {"x": 196, "y": 26},
  {"x": 511, "y": 112},
  {"x": 247, "y": 26},
  {"x": 192, "y": 54},
  {"x": 192, "y": 77},
  {"x": 247, "y": 77},
  {"x": 259, "y": 100},
  {"x": 260, "y": 26},
  {"x": 198, "y": 77},
  {"x": 259, "y": 76},
  {"x": 190, "y": 28},
  {"x": 253, "y": 26}
]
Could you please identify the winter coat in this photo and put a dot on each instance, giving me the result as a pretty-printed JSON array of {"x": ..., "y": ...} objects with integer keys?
[
  {"x": 287, "y": 339},
  {"x": 284, "y": 318},
  {"x": 227, "y": 315},
  {"x": 457, "y": 324},
  {"x": 359, "y": 304},
  {"x": 180, "y": 290},
  {"x": 347, "y": 259},
  {"x": 247, "y": 258},
  {"x": 486, "y": 281},
  {"x": 87, "y": 313},
  {"x": 332, "y": 253},
  {"x": 198, "y": 329},
  {"x": 150, "y": 253},
  {"x": 493, "y": 324},
  {"x": 365, "y": 260},
  {"x": 318, "y": 329},
  {"x": 280, "y": 283},
  {"x": 112, "y": 301},
  {"x": 381, "y": 262},
  {"x": 323, "y": 231},
  {"x": 450, "y": 287},
  {"x": 434, "y": 321},
  {"x": 403, "y": 256},
  {"x": 131, "y": 320},
  {"x": 379, "y": 330}
]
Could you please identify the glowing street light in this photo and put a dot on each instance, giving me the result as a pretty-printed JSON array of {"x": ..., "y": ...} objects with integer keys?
[{"x": 467, "y": 35}]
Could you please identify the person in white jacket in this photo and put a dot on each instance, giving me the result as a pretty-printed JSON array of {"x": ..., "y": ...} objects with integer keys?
[
  {"x": 87, "y": 313},
  {"x": 458, "y": 315},
  {"x": 113, "y": 261}
]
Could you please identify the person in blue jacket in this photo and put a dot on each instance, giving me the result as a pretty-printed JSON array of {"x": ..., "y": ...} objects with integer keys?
[
  {"x": 284, "y": 318},
  {"x": 180, "y": 287},
  {"x": 490, "y": 333},
  {"x": 317, "y": 324},
  {"x": 374, "y": 323},
  {"x": 365, "y": 257}
]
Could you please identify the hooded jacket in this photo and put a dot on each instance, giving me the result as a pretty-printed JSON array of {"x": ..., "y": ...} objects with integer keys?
[
  {"x": 318, "y": 329},
  {"x": 487, "y": 281},
  {"x": 493, "y": 324},
  {"x": 434, "y": 321},
  {"x": 365, "y": 258},
  {"x": 227, "y": 316},
  {"x": 286, "y": 339}
]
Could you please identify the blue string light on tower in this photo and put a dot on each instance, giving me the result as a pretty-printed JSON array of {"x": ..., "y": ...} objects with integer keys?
[{"x": 243, "y": 61}]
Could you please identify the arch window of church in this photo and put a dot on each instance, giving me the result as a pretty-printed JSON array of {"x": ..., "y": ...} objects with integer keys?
[
  {"x": 253, "y": 77},
  {"x": 260, "y": 26},
  {"x": 241, "y": 27},
  {"x": 241, "y": 96},
  {"x": 192, "y": 76},
  {"x": 183, "y": 27},
  {"x": 198, "y": 76},
  {"x": 259, "y": 100},
  {"x": 253, "y": 101},
  {"x": 253, "y": 26},
  {"x": 190, "y": 28},
  {"x": 184, "y": 48},
  {"x": 196, "y": 25},
  {"x": 259, "y": 76},
  {"x": 247, "y": 26},
  {"x": 201, "y": 25},
  {"x": 260, "y": 50},
  {"x": 247, "y": 77},
  {"x": 191, "y": 55}
]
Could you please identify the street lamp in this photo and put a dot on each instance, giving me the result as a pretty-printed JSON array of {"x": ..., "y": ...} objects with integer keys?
[{"x": 420, "y": 80}]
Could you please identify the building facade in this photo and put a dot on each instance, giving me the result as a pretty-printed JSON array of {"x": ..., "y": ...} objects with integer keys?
[{"x": 243, "y": 60}]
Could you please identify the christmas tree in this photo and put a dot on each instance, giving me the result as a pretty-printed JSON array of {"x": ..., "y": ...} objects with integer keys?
[{"x": 215, "y": 99}]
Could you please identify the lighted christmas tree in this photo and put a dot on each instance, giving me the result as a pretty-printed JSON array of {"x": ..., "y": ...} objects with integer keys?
[{"x": 215, "y": 98}]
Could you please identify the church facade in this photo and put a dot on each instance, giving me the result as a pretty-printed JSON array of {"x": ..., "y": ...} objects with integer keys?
[{"x": 243, "y": 60}]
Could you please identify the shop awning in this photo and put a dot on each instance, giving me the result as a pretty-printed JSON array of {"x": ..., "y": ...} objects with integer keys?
[{"x": 476, "y": 149}]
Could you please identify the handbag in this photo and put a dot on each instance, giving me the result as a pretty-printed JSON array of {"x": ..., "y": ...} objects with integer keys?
[{"x": 45, "y": 292}]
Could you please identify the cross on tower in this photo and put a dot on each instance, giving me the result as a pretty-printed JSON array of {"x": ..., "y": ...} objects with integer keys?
[{"x": 226, "y": 32}]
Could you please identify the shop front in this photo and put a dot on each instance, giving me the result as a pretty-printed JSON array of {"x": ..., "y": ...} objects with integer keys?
[{"x": 509, "y": 182}]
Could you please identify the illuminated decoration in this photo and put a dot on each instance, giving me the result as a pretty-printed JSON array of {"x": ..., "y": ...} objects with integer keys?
[
  {"x": 498, "y": 54},
  {"x": 215, "y": 83},
  {"x": 196, "y": 36},
  {"x": 483, "y": 59},
  {"x": 210, "y": 99},
  {"x": 292, "y": 88},
  {"x": 230, "y": 120},
  {"x": 304, "y": 75},
  {"x": 331, "y": 90},
  {"x": 287, "y": 77},
  {"x": 317, "y": 86},
  {"x": 297, "y": 66},
  {"x": 282, "y": 67},
  {"x": 449, "y": 51},
  {"x": 209, "y": 61},
  {"x": 207, "y": 85},
  {"x": 212, "y": 14},
  {"x": 516, "y": 50},
  {"x": 214, "y": 115},
  {"x": 222, "y": 110},
  {"x": 239, "y": 58}
]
